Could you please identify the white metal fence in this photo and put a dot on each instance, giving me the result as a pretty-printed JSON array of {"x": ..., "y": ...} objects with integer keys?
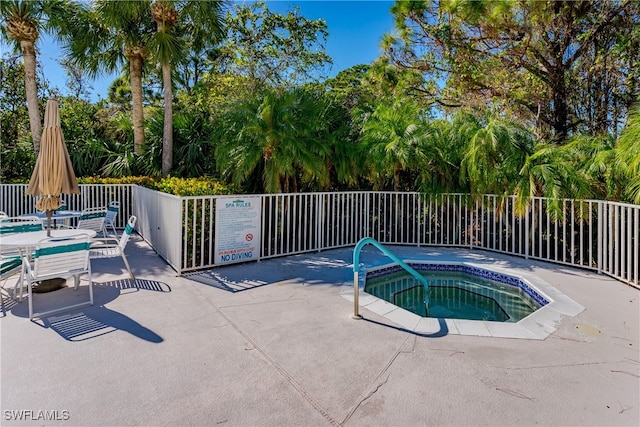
[
  {"x": 592, "y": 234},
  {"x": 597, "y": 235},
  {"x": 15, "y": 202}
]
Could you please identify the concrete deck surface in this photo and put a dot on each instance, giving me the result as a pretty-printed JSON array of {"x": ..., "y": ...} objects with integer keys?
[{"x": 273, "y": 344}]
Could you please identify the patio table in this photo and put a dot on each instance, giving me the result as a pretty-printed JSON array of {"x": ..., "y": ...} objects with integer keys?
[
  {"x": 57, "y": 215},
  {"x": 24, "y": 241}
]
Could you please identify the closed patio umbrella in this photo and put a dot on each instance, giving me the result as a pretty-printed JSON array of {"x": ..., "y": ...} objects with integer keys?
[{"x": 53, "y": 173}]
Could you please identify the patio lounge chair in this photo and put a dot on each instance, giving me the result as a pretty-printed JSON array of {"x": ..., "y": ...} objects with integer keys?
[
  {"x": 23, "y": 224},
  {"x": 111, "y": 247},
  {"x": 11, "y": 259},
  {"x": 110, "y": 219},
  {"x": 10, "y": 265},
  {"x": 56, "y": 257},
  {"x": 92, "y": 219}
]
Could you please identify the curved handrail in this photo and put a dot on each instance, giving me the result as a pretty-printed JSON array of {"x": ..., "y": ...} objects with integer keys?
[{"x": 356, "y": 269}]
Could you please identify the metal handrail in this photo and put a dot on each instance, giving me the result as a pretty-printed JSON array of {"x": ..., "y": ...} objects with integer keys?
[{"x": 387, "y": 252}]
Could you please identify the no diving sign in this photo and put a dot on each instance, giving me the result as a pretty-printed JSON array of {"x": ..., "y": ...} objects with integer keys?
[{"x": 237, "y": 236}]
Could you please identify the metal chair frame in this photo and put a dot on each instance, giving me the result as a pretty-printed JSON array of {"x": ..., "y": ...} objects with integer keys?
[
  {"x": 110, "y": 219},
  {"x": 112, "y": 247},
  {"x": 53, "y": 258}
]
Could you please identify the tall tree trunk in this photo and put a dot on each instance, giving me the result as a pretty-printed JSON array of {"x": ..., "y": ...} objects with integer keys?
[
  {"x": 29, "y": 55},
  {"x": 167, "y": 130},
  {"x": 135, "y": 69},
  {"x": 396, "y": 177}
]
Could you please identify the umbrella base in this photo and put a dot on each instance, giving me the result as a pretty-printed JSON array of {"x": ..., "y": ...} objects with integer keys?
[{"x": 49, "y": 285}]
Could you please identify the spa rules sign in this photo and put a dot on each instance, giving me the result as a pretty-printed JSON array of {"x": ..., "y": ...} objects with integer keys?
[{"x": 237, "y": 229}]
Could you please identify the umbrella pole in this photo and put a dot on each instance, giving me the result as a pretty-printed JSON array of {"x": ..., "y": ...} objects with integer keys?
[
  {"x": 49, "y": 213},
  {"x": 49, "y": 285}
]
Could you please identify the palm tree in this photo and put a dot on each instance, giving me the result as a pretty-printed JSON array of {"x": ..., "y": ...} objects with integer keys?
[
  {"x": 174, "y": 20},
  {"x": 22, "y": 23},
  {"x": 495, "y": 152},
  {"x": 628, "y": 155},
  {"x": 552, "y": 171},
  {"x": 440, "y": 156},
  {"x": 390, "y": 139},
  {"x": 112, "y": 34},
  {"x": 278, "y": 134}
]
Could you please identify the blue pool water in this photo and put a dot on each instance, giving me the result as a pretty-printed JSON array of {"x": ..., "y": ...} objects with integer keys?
[{"x": 455, "y": 295}]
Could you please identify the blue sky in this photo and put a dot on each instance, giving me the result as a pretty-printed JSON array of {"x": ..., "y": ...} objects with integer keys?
[{"x": 355, "y": 31}]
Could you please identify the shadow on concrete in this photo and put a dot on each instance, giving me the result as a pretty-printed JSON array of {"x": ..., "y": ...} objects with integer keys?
[
  {"x": 95, "y": 321},
  {"x": 82, "y": 323},
  {"x": 312, "y": 268},
  {"x": 215, "y": 278},
  {"x": 444, "y": 330},
  {"x": 334, "y": 267},
  {"x": 136, "y": 285},
  {"x": 8, "y": 303}
]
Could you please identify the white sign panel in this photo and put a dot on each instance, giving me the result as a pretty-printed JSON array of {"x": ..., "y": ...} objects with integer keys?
[{"x": 237, "y": 229}]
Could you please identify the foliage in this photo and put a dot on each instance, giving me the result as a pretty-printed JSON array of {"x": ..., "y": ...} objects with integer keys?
[
  {"x": 628, "y": 156},
  {"x": 441, "y": 157},
  {"x": 143, "y": 181},
  {"x": 110, "y": 35},
  {"x": 258, "y": 115},
  {"x": 561, "y": 66},
  {"x": 272, "y": 50},
  {"x": 17, "y": 156},
  {"x": 172, "y": 185},
  {"x": 193, "y": 132},
  {"x": 193, "y": 186},
  {"x": 77, "y": 81},
  {"x": 278, "y": 135},
  {"x": 495, "y": 152},
  {"x": 551, "y": 171},
  {"x": 390, "y": 141},
  {"x": 16, "y": 161},
  {"x": 14, "y": 121},
  {"x": 21, "y": 23},
  {"x": 177, "y": 22}
]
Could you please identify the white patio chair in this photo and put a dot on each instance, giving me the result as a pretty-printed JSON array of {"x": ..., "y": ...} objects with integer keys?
[
  {"x": 55, "y": 257},
  {"x": 92, "y": 219},
  {"x": 10, "y": 265},
  {"x": 110, "y": 219},
  {"x": 111, "y": 247},
  {"x": 63, "y": 206},
  {"x": 22, "y": 224},
  {"x": 11, "y": 259}
]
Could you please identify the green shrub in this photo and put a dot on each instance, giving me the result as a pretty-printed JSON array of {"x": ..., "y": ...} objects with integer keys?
[{"x": 171, "y": 185}]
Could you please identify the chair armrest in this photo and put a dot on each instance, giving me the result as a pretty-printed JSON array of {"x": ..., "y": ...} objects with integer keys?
[{"x": 27, "y": 266}]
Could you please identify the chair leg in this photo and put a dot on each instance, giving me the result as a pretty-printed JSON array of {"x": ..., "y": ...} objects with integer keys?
[
  {"x": 20, "y": 282},
  {"x": 29, "y": 290},
  {"x": 90, "y": 287},
  {"x": 126, "y": 263}
]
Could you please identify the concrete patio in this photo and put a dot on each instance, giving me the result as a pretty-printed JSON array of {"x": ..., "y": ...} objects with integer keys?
[{"x": 272, "y": 343}]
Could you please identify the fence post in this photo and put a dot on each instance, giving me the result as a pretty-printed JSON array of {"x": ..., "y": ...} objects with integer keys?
[
  {"x": 526, "y": 232},
  {"x": 600, "y": 242},
  {"x": 471, "y": 227},
  {"x": 319, "y": 220}
]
